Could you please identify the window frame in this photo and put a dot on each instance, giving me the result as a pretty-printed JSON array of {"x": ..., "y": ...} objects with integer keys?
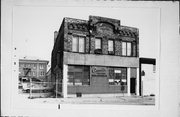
[
  {"x": 114, "y": 76},
  {"x": 126, "y": 48},
  {"x": 78, "y": 43},
  {"x": 82, "y": 77},
  {"x": 42, "y": 73},
  {"x": 98, "y": 38},
  {"x": 113, "y": 52}
]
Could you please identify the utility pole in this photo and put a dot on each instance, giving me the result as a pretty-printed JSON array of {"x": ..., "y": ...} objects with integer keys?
[{"x": 30, "y": 92}]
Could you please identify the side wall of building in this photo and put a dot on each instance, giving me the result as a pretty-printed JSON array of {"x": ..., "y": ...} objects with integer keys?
[{"x": 57, "y": 60}]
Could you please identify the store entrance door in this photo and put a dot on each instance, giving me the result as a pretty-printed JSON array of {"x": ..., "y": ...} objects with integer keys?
[{"x": 133, "y": 85}]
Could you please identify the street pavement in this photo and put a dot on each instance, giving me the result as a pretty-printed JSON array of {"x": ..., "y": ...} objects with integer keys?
[{"x": 118, "y": 100}]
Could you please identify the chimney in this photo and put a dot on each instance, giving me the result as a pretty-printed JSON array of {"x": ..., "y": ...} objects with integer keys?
[{"x": 55, "y": 35}]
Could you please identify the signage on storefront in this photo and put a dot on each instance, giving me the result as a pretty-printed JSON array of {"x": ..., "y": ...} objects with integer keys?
[
  {"x": 99, "y": 71},
  {"x": 117, "y": 71},
  {"x": 124, "y": 80}
]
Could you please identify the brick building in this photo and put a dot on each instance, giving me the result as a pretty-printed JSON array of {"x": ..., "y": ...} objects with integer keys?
[
  {"x": 38, "y": 68},
  {"x": 95, "y": 56}
]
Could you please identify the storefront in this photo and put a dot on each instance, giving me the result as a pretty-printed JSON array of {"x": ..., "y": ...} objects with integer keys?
[{"x": 100, "y": 80}]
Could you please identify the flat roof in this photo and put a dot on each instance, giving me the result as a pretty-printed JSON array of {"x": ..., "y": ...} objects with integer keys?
[{"x": 33, "y": 61}]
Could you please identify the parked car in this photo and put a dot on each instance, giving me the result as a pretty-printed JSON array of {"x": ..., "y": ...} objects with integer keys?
[{"x": 35, "y": 85}]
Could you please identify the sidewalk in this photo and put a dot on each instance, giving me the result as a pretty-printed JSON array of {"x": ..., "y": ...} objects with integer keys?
[
  {"x": 118, "y": 100},
  {"x": 96, "y": 99}
]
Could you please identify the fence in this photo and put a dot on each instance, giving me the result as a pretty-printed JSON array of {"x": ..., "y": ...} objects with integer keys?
[
  {"x": 40, "y": 89},
  {"x": 54, "y": 89}
]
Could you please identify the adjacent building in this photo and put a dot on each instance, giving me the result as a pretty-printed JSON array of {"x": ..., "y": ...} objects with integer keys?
[
  {"x": 48, "y": 77},
  {"x": 147, "y": 76},
  {"x": 95, "y": 56},
  {"x": 38, "y": 68}
]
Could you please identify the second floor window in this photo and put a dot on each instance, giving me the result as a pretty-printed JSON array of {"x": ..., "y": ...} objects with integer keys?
[
  {"x": 41, "y": 66},
  {"x": 34, "y": 66},
  {"x": 33, "y": 73},
  {"x": 78, "y": 44},
  {"x": 110, "y": 45},
  {"x": 97, "y": 43},
  {"x": 126, "y": 49}
]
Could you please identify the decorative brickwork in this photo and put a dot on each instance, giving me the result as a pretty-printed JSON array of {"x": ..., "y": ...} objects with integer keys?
[
  {"x": 118, "y": 47},
  {"x": 68, "y": 43},
  {"x": 92, "y": 45},
  {"x": 105, "y": 45},
  {"x": 96, "y": 27},
  {"x": 105, "y": 28},
  {"x": 95, "y": 19},
  {"x": 87, "y": 44}
]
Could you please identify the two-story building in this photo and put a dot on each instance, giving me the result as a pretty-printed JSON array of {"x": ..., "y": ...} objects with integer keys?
[{"x": 95, "y": 56}]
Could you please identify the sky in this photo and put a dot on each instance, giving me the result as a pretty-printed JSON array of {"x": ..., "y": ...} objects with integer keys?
[{"x": 33, "y": 27}]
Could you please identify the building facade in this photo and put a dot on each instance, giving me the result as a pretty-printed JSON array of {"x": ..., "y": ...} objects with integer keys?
[
  {"x": 38, "y": 68},
  {"x": 95, "y": 56}
]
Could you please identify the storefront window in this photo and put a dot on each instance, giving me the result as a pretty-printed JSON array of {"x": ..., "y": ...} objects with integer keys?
[
  {"x": 78, "y": 75},
  {"x": 117, "y": 76}
]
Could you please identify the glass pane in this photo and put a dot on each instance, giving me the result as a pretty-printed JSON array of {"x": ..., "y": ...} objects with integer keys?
[
  {"x": 128, "y": 49},
  {"x": 86, "y": 82},
  {"x": 110, "y": 45},
  {"x": 123, "y": 48},
  {"x": 97, "y": 43},
  {"x": 86, "y": 77},
  {"x": 111, "y": 73},
  {"x": 78, "y": 81},
  {"x": 74, "y": 44},
  {"x": 81, "y": 44},
  {"x": 111, "y": 81},
  {"x": 70, "y": 68},
  {"x": 70, "y": 80},
  {"x": 117, "y": 75}
]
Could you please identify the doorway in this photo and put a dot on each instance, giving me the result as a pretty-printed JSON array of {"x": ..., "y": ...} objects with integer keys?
[{"x": 132, "y": 85}]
